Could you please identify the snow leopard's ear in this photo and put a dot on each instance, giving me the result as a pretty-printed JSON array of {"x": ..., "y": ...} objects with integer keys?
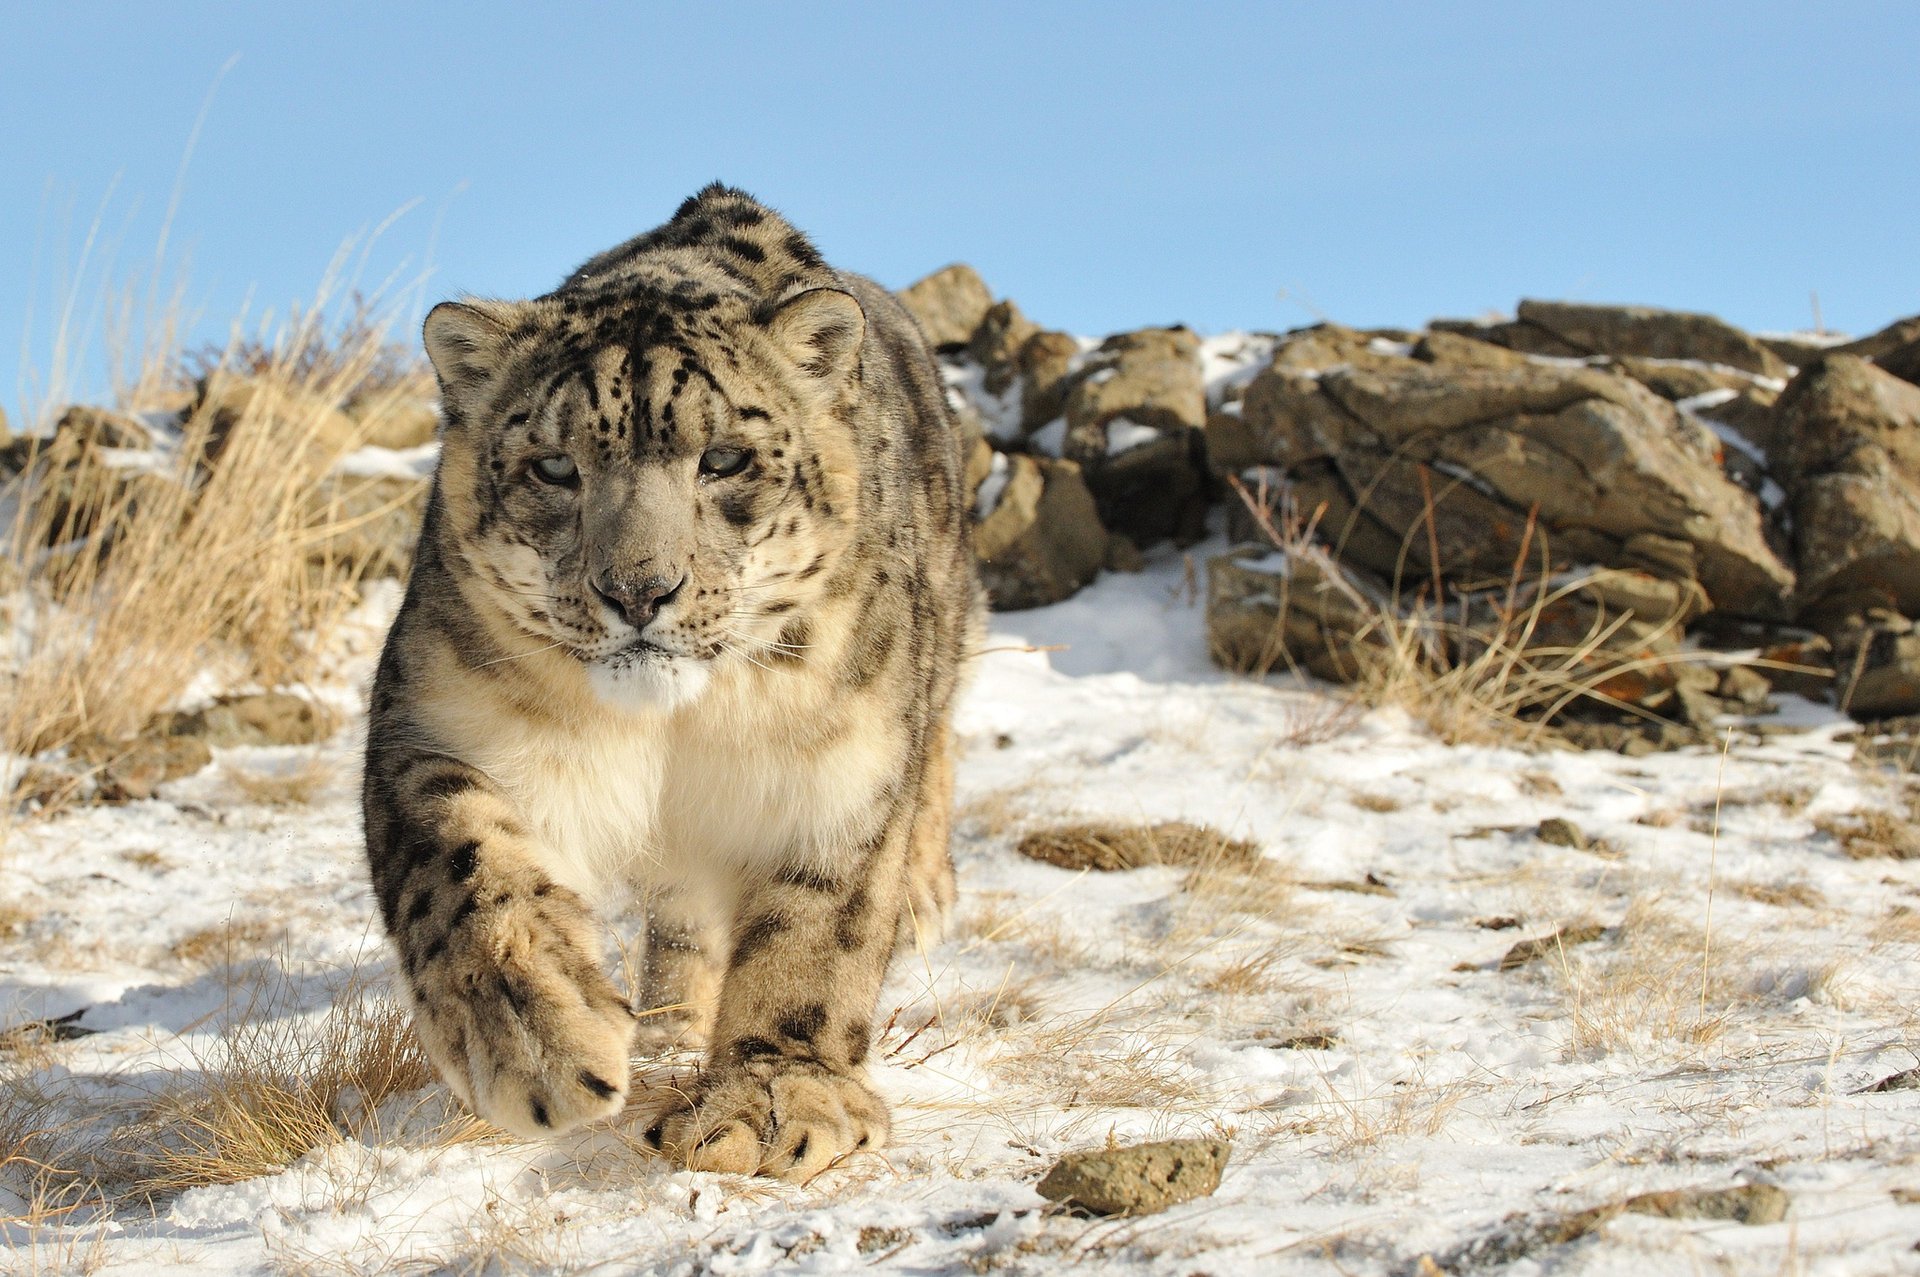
[
  {"x": 820, "y": 330},
  {"x": 465, "y": 341}
]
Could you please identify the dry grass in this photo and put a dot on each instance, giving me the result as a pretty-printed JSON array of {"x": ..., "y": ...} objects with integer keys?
[
  {"x": 272, "y": 1088},
  {"x": 1656, "y": 983},
  {"x": 1113, "y": 846},
  {"x": 1799, "y": 893},
  {"x": 295, "y": 786},
  {"x": 1873, "y": 833},
  {"x": 1484, "y": 664},
  {"x": 225, "y": 944},
  {"x": 219, "y": 555}
]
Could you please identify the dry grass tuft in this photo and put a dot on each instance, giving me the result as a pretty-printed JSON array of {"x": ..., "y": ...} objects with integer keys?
[
  {"x": 1110, "y": 847},
  {"x": 1659, "y": 981},
  {"x": 1873, "y": 833},
  {"x": 226, "y": 944},
  {"x": 1798, "y": 892},
  {"x": 1483, "y": 662},
  {"x": 272, "y": 1089},
  {"x": 217, "y": 553},
  {"x": 275, "y": 1089},
  {"x": 295, "y": 786}
]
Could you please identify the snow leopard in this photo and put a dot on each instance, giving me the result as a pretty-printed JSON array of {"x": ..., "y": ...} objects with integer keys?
[{"x": 692, "y": 601}]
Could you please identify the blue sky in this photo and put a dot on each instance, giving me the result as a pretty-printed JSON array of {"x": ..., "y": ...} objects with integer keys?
[{"x": 1107, "y": 166}]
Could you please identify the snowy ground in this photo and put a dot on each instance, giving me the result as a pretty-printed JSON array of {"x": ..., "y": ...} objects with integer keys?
[{"x": 1392, "y": 1093}]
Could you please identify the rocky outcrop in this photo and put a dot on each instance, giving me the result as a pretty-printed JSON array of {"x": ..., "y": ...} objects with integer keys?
[
  {"x": 1849, "y": 456},
  {"x": 1574, "y": 330},
  {"x": 1471, "y": 470}
]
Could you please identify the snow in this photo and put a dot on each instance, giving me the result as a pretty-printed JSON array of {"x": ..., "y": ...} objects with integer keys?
[
  {"x": 1051, "y": 439},
  {"x": 373, "y": 462},
  {"x": 1069, "y": 1008},
  {"x": 987, "y": 500},
  {"x": 1125, "y": 434}
]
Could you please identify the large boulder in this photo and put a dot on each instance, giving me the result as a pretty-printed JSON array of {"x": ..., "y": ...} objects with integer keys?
[
  {"x": 1480, "y": 470},
  {"x": 1903, "y": 361},
  {"x": 1038, "y": 537},
  {"x": 1570, "y": 330},
  {"x": 1135, "y": 417},
  {"x": 1652, "y": 332},
  {"x": 1849, "y": 456},
  {"x": 1876, "y": 346},
  {"x": 949, "y": 305}
]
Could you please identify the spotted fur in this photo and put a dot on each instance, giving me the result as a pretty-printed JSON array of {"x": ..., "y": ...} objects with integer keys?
[{"x": 688, "y": 613}]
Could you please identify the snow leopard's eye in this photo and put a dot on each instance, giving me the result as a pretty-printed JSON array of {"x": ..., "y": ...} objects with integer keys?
[
  {"x": 558, "y": 471},
  {"x": 723, "y": 462}
]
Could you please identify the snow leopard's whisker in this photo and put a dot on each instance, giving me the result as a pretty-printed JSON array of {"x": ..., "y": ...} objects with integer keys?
[{"x": 501, "y": 660}]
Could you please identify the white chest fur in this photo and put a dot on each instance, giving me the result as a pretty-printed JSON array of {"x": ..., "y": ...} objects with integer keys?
[{"x": 746, "y": 772}]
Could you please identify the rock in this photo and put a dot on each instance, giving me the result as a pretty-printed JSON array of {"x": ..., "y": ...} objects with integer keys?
[
  {"x": 1232, "y": 448},
  {"x": 1268, "y": 610},
  {"x": 1440, "y": 347},
  {"x": 949, "y": 304},
  {"x": 1649, "y": 331},
  {"x": 1123, "y": 555},
  {"x": 1045, "y": 362},
  {"x": 1849, "y": 457},
  {"x": 996, "y": 344},
  {"x": 1742, "y": 403},
  {"x": 1797, "y": 350},
  {"x": 1135, "y": 414},
  {"x": 306, "y": 426},
  {"x": 979, "y": 464},
  {"x": 1877, "y": 671},
  {"x": 1535, "y": 468},
  {"x": 1514, "y": 334},
  {"x": 1109, "y": 847},
  {"x": 1802, "y": 665},
  {"x": 1750, "y": 1204},
  {"x": 133, "y": 769},
  {"x": 1561, "y": 832},
  {"x": 1137, "y": 1180},
  {"x": 75, "y": 489},
  {"x": 1043, "y": 539},
  {"x": 260, "y": 718},
  {"x": 1899, "y": 333},
  {"x": 1903, "y": 361},
  {"x": 102, "y": 428},
  {"x": 1530, "y": 951},
  {"x": 1746, "y": 688}
]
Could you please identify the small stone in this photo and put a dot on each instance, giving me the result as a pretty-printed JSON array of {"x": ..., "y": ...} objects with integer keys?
[
  {"x": 1137, "y": 1180},
  {"x": 1561, "y": 832},
  {"x": 1529, "y": 951}
]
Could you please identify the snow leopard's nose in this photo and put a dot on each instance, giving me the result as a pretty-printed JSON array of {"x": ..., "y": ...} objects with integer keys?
[{"x": 637, "y": 602}]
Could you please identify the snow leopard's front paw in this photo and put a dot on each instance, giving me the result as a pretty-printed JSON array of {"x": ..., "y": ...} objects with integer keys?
[
  {"x": 786, "y": 1118},
  {"x": 521, "y": 1020}
]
